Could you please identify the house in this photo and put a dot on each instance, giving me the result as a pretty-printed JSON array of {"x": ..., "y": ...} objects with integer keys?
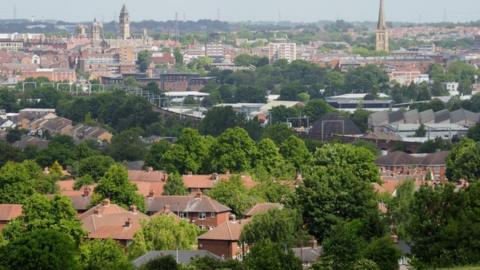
[
  {"x": 260, "y": 208},
  {"x": 224, "y": 240},
  {"x": 149, "y": 182},
  {"x": 26, "y": 141},
  {"x": 198, "y": 209},
  {"x": 8, "y": 212},
  {"x": 307, "y": 255},
  {"x": 181, "y": 256},
  {"x": 415, "y": 166},
  {"x": 203, "y": 183},
  {"x": 84, "y": 132},
  {"x": 81, "y": 199},
  {"x": 108, "y": 220},
  {"x": 52, "y": 125}
]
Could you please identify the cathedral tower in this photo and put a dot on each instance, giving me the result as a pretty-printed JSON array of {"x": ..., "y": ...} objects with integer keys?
[
  {"x": 382, "y": 42},
  {"x": 124, "y": 23}
]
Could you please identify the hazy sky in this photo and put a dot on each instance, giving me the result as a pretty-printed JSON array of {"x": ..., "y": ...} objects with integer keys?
[{"x": 241, "y": 10}]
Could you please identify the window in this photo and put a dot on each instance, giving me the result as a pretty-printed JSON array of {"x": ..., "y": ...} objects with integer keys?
[
  {"x": 183, "y": 215},
  {"x": 202, "y": 215},
  {"x": 213, "y": 214}
]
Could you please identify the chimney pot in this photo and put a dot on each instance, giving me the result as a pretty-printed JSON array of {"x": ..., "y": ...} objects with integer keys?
[
  {"x": 150, "y": 169},
  {"x": 86, "y": 191},
  {"x": 106, "y": 202},
  {"x": 151, "y": 193},
  {"x": 133, "y": 208},
  {"x": 128, "y": 223}
]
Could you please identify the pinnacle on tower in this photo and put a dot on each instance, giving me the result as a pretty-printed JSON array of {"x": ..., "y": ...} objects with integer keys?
[{"x": 381, "y": 17}]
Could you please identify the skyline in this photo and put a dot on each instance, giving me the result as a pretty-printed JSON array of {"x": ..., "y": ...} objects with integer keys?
[{"x": 266, "y": 10}]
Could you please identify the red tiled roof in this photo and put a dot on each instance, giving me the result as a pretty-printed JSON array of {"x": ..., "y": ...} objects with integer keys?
[
  {"x": 227, "y": 231},
  {"x": 186, "y": 204},
  {"x": 147, "y": 176},
  {"x": 261, "y": 208},
  {"x": 109, "y": 220},
  {"x": 10, "y": 211},
  {"x": 147, "y": 189},
  {"x": 208, "y": 181}
]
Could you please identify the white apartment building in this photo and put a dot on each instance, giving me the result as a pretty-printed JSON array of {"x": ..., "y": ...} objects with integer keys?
[{"x": 277, "y": 51}]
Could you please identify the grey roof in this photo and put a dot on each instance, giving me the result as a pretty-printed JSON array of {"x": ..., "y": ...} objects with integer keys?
[
  {"x": 184, "y": 256},
  {"x": 31, "y": 141},
  {"x": 186, "y": 204},
  {"x": 411, "y": 117},
  {"x": 307, "y": 255},
  {"x": 464, "y": 116},
  {"x": 442, "y": 116},
  {"x": 427, "y": 116},
  {"x": 333, "y": 123},
  {"x": 378, "y": 118},
  {"x": 397, "y": 116}
]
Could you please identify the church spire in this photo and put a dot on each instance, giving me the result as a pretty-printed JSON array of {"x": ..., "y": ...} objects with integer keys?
[
  {"x": 381, "y": 17},
  {"x": 382, "y": 41}
]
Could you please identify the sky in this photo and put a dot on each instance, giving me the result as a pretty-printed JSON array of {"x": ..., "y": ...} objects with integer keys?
[{"x": 244, "y": 10}]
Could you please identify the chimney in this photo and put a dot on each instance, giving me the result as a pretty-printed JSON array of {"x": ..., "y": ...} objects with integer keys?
[
  {"x": 149, "y": 169},
  {"x": 198, "y": 195},
  {"x": 166, "y": 207},
  {"x": 128, "y": 223},
  {"x": 106, "y": 202},
  {"x": 133, "y": 209},
  {"x": 214, "y": 176},
  {"x": 232, "y": 217},
  {"x": 313, "y": 243},
  {"x": 164, "y": 177},
  {"x": 151, "y": 193},
  {"x": 86, "y": 191},
  {"x": 96, "y": 212}
]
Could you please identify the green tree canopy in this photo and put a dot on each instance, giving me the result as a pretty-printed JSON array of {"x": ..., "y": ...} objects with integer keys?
[
  {"x": 174, "y": 185},
  {"x": 103, "y": 255},
  {"x": 94, "y": 166},
  {"x": 463, "y": 160},
  {"x": 233, "y": 194},
  {"x": 266, "y": 255},
  {"x": 269, "y": 158},
  {"x": 233, "y": 151},
  {"x": 163, "y": 232},
  {"x": 295, "y": 152},
  {"x": 115, "y": 186},
  {"x": 46, "y": 249}
]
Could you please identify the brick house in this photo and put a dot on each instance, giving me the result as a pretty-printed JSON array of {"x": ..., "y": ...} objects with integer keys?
[
  {"x": 203, "y": 183},
  {"x": 198, "y": 209},
  {"x": 223, "y": 240},
  {"x": 8, "y": 212},
  {"x": 81, "y": 199},
  {"x": 108, "y": 220},
  {"x": 416, "y": 166}
]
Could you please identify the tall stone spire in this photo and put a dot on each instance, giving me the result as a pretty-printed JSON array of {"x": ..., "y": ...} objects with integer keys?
[
  {"x": 381, "y": 17},
  {"x": 382, "y": 41},
  {"x": 124, "y": 23}
]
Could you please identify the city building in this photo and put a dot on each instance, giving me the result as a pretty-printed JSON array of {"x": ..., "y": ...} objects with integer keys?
[
  {"x": 124, "y": 24},
  {"x": 287, "y": 51},
  {"x": 382, "y": 40}
]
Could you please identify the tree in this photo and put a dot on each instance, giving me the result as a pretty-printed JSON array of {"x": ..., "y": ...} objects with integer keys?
[
  {"x": 277, "y": 225},
  {"x": 161, "y": 263},
  {"x": 219, "y": 119},
  {"x": 95, "y": 166},
  {"x": 9, "y": 153},
  {"x": 278, "y": 133},
  {"x": 208, "y": 263},
  {"x": 127, "y": 145},
  {"x": 360, "y": 118},
  {"x": 163, "y": 232},
  {"x": 196, "y": 148},
  {"x": 332, "y": 194},
  {"x": 103, "y": 255},
  {"x": 474, "y": 133},
  {"x": 421, "y": 131},
  {"x": 60, "y": 149},
  {"x": 360, "y": 159},
  {"x": 40, "y": 213},
  {"x": 432, "y": 146},
  {"x": 269, "y": 158},
  {"x": 144, "y": 59},
  {"x": 233, "y": 151},
  {"x": 462, "y": 162},
  {"x": 233, "y": 194},
  {"x": 155, "y": 154},
  {"x": 177, "y": 53},
  {"x": 115, "y": 186},
  {"x": 15, "y": 134},
  {"x": 174, "y": 185},
  {"x": 384, "y": 253},
  {"x": 295, "y": 152},
  {"x": 266, "y": 255},
  {"x": 19, "y": 181},
  {"x": 316, "y": 108},
  {"x": 45, "y": 249}
]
